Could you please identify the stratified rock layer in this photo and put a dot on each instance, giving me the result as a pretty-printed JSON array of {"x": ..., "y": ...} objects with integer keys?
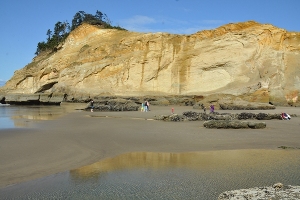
[{"x": 257, "y": 62}]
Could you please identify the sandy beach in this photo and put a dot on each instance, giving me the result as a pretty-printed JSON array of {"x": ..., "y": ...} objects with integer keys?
[{"x": 81, "y": 138}]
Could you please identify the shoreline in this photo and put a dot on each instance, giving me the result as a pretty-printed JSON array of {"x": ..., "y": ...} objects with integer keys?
[{"x": 82, "y": 138}]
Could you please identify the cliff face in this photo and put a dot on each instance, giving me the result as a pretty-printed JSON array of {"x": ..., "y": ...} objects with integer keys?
[{"x": 257, "y": 62}]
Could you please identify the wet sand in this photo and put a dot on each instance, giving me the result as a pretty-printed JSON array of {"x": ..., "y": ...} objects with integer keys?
[{"x": 81, "y": 138}]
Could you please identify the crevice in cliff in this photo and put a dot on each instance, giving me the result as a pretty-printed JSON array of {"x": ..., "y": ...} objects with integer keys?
[
  {"x": 143, "y": 62},
  {"x": 24, "y": 78},
  {"x": 158, "y": 71},
  {"x": 94, "y": 72},
  {"x": 241, "y": 43},
  {"x": 219, "y": 65},
  {"x": 46, "y": 87}
]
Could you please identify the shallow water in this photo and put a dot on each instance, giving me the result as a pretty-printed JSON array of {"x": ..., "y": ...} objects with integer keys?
[
  {"x": 21, "y": 116},
  {"x": 146, "y": 175}
]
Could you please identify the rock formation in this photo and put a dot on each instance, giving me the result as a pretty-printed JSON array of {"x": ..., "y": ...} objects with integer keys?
[
  {"x": 233, "y": 124},
  {"x": 276, "y": 191},
  {"x": 252, "y": 61},
  {"x": 196, "y": 116}
]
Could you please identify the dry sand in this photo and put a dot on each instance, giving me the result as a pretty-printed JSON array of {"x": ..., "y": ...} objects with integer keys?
[{"x": 81, "y": 138}]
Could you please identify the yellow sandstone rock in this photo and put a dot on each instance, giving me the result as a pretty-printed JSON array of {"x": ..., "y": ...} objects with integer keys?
[{"x": 258, "y": 62}]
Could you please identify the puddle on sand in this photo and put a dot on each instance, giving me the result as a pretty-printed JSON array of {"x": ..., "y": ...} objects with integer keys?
[{"x": 145, "y": 175}]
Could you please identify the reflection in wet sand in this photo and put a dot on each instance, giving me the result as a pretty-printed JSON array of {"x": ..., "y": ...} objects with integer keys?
[
  {"x": 149, "y": 175},
  {"x": 236, "y": 160},
  {"x": 22, "y": 115}
]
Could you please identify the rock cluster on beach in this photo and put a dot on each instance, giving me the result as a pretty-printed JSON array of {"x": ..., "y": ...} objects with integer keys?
[
  {"x": 200, "y": 116},
  {"x": 277, "y": 191},
  {"x": 224, "y": 120},
  {"x": 115, "y": 105},
  {"x": 244, "y": 105},
  {"x": 226, "y": 124},
  {"x": 233, "y": 104}
]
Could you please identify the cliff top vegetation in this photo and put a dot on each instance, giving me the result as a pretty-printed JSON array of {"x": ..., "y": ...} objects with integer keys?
[{"x": 62, "y": 29}]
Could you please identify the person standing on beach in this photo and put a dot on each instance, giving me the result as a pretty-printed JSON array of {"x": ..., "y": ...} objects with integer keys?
[
  {"x": 212, "y": 108},
  {"x": 145, "y": 106},
  {"x": 148, "y": 108},
  {"x": 92, "y": 105},
  {"x": 142, "y": 108}
]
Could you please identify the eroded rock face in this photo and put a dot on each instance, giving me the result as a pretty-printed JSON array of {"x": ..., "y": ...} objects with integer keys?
[{"x": 257, "y": 62}]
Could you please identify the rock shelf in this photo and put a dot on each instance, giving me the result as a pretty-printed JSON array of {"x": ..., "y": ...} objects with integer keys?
[{"x": 276, "y": 191}]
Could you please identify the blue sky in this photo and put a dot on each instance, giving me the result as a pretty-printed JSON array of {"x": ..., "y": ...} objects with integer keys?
[{"x": 24, "y": 23}]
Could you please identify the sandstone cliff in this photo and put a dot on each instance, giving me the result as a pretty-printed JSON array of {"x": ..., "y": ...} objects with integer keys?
[{"x": 256, "y": 62}]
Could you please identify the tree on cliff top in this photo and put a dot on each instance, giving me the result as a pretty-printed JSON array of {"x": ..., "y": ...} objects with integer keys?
[{"x": 62, "y": 29}]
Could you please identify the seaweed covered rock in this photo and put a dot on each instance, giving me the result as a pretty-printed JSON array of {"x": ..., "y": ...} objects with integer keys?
[
  {"x": 234, "y": 124},
  {"x": 200, "y": 116},
  {"x": 245, "y": 115},
  {"x": 191, "y": 116},
  {"x": 244, "y": 105},
  {"x": 173, "y": 117},
  {"x": 115, "y": 105}
]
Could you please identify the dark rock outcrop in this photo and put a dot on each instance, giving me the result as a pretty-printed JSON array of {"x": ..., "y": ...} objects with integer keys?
[
  {"x": 115, "y": 105},
  {"x": 196, "y": 116},
  {"x": 170, "y": 118},
  {"x": 244, "y": 105},
  {"x": 234, "y": 124},
  {"x": 34, "y": 99}
]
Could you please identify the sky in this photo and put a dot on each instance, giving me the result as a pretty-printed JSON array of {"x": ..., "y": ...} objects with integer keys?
[{"x": 24, "y": 23}]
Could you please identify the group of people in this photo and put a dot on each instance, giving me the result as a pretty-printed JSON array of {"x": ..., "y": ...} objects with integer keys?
[
  {"x": 145, "y": 107},
  {"x": 211, "y": 108}
]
